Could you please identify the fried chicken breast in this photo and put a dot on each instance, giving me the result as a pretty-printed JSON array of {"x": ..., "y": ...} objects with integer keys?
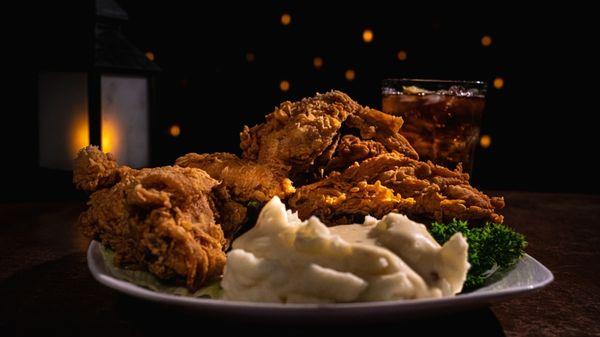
[{"x": 163, "y": 220}]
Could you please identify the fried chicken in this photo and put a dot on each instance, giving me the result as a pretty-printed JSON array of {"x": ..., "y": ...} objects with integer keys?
[
  {"x": 336, "y": 201},
  {"x": 352, "y": 149},
  {"x": 382, "y": 128},
  {"x": 421, "y": 190},
  {"x": 244, "y": 179},
  {"x": 164, "y": 220},
  {"x": 329, "y": 133},
  {"x": 94, "y": 169},
  {"x": 296, "y": 134},
  {"x": 303, "y": 137}
]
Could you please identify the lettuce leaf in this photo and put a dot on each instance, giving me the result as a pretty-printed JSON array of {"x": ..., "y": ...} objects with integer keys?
[{"x": 146, "y": 280}]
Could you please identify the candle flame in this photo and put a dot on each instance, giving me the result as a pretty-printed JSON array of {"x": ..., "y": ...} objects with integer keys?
[
  {"x": 110, "y": 136},
  {"x": 80, "y": 133}
]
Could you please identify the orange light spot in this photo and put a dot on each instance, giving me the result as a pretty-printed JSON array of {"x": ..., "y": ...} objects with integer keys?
[
  {"x": 175, "y": 130},
  {"x": 485, "y": 141},
  {"x": 150, "y": 55},
  {"x": 350, "y": 75},
  {"x": 318, "y": 62},
  {"x": 498, "y": 83},
  {"x": 286, "y": 19},
  {"x": 284, "y": 85},
  {"x": 486, "y": 41},
  {"x": 402, "y": 55},
  {"x": 367, "y": 35}
]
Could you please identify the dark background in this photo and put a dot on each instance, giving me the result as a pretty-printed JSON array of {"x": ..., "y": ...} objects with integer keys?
[{"x": 541, "y": 122}]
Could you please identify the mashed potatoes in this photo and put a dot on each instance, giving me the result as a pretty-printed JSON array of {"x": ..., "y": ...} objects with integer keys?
[{"x": 283, "y": 259}]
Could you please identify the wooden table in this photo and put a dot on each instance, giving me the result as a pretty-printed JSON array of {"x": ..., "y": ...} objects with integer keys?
[{"x": 46, "y": 288}]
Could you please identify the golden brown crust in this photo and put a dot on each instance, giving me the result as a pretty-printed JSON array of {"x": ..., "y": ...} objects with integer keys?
[
  {"x": 245, "y": 180},
  {"x": 93, "y": 169},
  {"x": 352, "y": 149},
  {"x": 383, "y": 128},
  {"x": 297, "y": 133},
  {"x": 422, "y": 190},
  {"x": 337, "y": 201},
  {"x": 158, "y": 219}
]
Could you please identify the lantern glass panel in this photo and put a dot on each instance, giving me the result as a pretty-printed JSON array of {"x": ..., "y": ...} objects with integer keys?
[
  {"x": 63, "y": 118},
  {"x": 125, "y": 118}
]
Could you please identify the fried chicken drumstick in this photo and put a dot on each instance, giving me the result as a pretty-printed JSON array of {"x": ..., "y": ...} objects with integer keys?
[{"x": 164, "y": 220}]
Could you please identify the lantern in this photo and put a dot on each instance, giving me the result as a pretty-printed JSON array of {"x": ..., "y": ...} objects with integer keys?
[{"x": 103, "y": 97}]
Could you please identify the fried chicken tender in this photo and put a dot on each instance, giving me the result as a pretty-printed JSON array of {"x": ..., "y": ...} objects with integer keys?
[
  {"x": 244, "y": 179},
  {"x": 421, "y": 190},
  {"x": 296, "y": 134},
  {"x": 163, "y": 220}
]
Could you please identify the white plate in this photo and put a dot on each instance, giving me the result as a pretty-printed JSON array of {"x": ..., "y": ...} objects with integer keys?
[{"x": 528, "y": 275}]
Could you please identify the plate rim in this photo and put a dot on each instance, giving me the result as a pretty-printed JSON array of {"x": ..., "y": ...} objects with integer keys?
[{"x": 103, "y": 276}]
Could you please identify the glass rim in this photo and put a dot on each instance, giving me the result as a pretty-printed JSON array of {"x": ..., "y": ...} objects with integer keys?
[
  {"x": 426, "y": 80},
  {"x": 393, "y": 83}
]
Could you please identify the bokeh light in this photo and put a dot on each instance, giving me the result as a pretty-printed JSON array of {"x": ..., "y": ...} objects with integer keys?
[
  {"x": 350, "y": 75},
  {"x": 486, "y": 41},
  {"x": 175, "y": 130},
  {"x": 367, "y": 35},
  {"x": 150, "y": 56},
  {"x": 318, "y": 62},
  {"x": 284, "y": 85},
  {"x": 485, "y": 141},
  {"x": 286, "y": 19},
  {"x": 402, "y": 55},
  {"x": 498, "y": 83}
]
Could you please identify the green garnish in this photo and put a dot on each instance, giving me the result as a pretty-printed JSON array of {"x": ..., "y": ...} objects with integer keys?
[
  {"x": 253, "y": 204},
  {"x": 492, "y": 247}
]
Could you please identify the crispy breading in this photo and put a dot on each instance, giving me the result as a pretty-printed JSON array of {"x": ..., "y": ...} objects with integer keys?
[
  {"x": 244, "y": 179},
  {"x": 383, "y": 128},
  {"x": 94, "y": 169},
  {"x": 337, "y": 201},
  {"x": 158, "y": 219},
  {"x": 295, "y": 134},
  {"x": 352, "y": 149},
  {"x": 434, "y": 192}
]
